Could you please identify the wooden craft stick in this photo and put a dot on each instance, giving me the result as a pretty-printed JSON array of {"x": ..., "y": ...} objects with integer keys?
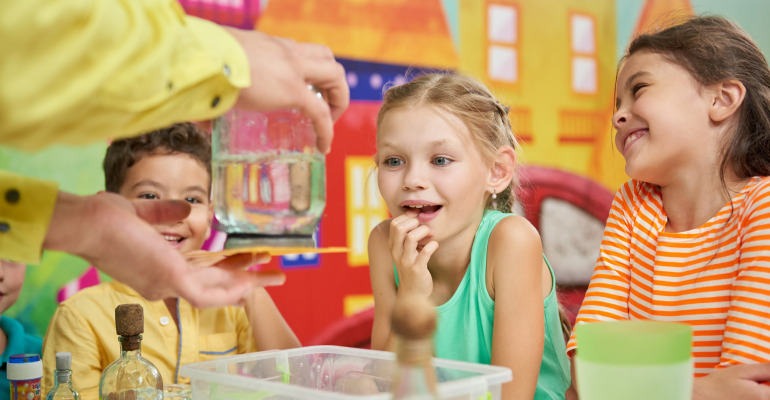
[{"x": 196, "y": 255}]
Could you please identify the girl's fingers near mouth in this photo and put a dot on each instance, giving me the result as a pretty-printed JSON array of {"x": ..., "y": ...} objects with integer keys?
[
  {"x": 413, "y": 237},
  {"x": 426, "y": 252}
]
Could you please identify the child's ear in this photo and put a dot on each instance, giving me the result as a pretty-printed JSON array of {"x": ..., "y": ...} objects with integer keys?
[
  {"x": 502, "y": 170},
  {"x": 727, "y": 98}
]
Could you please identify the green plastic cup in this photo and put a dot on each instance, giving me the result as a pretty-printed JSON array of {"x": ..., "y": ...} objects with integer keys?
[{"x": 634, "y": 360}]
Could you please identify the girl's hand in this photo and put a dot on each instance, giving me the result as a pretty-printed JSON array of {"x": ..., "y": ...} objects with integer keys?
[
  {"x": 736, "y": 382},
  {"x": 411, "y": 263}
]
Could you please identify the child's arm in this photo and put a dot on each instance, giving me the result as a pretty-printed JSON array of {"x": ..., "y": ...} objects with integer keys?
[
  {"x": 746, "y": 340},
  {"x": 515, "y": 255},
  {"x": 69, "y": 331},
  {"x": 383, "y": 286},
  {"x": 395, "y": 242},
  {"x": 612, "y": 272},
  {"x": 271, "y": 332}
]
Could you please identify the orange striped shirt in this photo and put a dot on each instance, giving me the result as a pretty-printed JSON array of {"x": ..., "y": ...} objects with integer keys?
[{"x": 715, "y": 278}]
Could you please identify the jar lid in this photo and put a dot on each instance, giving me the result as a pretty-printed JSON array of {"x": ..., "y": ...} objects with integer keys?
[
  {"x": 24, "y": 367},
  {"x": 23, "y": 358},
  {"x": 634, "y": 342}
]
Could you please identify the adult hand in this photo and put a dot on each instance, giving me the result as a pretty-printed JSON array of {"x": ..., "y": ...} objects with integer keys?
[
  {"x": 411, "y": 262},
  {"x": 281, "y": 69},
  {"x": 110, "y": 232},
  {"x": 743, "y": 382}
]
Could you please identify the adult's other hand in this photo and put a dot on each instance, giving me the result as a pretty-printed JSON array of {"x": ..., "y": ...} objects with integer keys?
[
  {"x": 744, "y": 382},
  {"x": 113, "y": 234},
  {"x": 281, "y": 69}
]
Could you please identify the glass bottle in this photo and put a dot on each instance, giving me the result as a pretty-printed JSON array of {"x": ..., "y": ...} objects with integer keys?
[
  {"x": 62, "y": 388},
  {"x": 131, "y": 377},
  {"x": 414, "y": 321}
]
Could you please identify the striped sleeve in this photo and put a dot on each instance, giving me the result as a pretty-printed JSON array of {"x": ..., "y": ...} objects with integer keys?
[
  {"x": 608, "y": 291},
  {"x": 747, "y": 332}
]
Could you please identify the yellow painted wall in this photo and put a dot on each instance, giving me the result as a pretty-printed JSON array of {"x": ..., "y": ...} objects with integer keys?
[{"x": 543, "y": 98}]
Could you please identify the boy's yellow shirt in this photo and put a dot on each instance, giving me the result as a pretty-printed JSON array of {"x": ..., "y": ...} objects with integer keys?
[{"x": 85, "y": 326}]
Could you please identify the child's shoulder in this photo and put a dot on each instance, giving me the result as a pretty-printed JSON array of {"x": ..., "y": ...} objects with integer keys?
[
  {"x": 759, "y": 186},
  {"x": 514, "y": 252},
  {"x": 757, "y": 193},
  {"x": 14, "y": 329},
  {"x": 105, "y": 294},
  {"x": 383, "y": 228},
  {"x": 380, "y": 260},
  {"x": 380, "y": 234},
  {"x": 514, "y": 231},
  {"x": 635, "y": 191}
]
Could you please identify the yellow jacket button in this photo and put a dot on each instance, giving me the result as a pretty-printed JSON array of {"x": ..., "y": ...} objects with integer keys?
[
  {"x": 4, "y": 227},
  {"x": 12, "y": 196}
]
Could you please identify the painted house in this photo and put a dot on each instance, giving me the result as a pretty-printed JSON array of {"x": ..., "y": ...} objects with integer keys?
[{"x": 554, "y": 63}]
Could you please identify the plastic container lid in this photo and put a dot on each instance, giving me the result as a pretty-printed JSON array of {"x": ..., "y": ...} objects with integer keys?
[
  {"x": 23, "y": 358},
  {"x": 260, "y": 375},
  {"x": 24, "y": 367},
  {"x": 634, "y": 342}
]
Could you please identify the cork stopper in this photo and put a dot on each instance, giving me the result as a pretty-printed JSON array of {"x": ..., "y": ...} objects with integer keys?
[
  {"x": 129, "y": 320},
  {"x": 413, "y": 322},
  {"x": 63, "y": 360},
  {"x": 414, "y": 317}
]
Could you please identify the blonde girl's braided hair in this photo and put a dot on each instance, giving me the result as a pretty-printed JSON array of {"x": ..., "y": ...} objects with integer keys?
[{"x": 470, "y": 101}]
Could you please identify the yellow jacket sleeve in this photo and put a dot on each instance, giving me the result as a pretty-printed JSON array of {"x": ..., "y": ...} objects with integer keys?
[
  {"x": 70, "y": 331},
  {"x": 26, "y": 207},
  {"x": 81, "y": 70}
]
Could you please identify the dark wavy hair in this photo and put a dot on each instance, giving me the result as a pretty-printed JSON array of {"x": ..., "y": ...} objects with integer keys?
[
  {"x": 185, "y": 138},
  {"x": 713, "y": 49}
]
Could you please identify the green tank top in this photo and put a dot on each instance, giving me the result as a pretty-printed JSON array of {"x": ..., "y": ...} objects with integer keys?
[{"x": 465, "y": 322}]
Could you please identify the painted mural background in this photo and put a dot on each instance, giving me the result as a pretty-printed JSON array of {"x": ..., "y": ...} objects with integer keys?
[{"x": 553, "y": 62}]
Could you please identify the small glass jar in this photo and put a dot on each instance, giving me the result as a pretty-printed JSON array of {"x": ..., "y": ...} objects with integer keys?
[
  {"x": 177, "y": 392},
  {"x": 269, "y": 179}
]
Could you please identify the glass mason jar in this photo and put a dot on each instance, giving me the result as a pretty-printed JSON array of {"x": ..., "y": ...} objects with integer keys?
[{"x": 269, "y": 179}]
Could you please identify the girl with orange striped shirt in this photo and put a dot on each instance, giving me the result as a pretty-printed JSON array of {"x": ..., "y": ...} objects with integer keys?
[{"x": 688, "y": 237}]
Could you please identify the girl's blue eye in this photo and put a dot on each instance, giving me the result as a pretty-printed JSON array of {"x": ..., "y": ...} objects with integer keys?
[
  {"x": 148, "y": 196},
  {"x": 193, "y": 200},
  {"x": 441, "y": 161},
  {"x": 393, "y": 162}
]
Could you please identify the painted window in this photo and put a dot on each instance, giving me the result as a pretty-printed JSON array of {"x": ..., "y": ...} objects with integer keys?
[
  {"x": 365, "y": 207},
  {"x": 502, "y": 42},
  {"x": 583, "y": 46}
]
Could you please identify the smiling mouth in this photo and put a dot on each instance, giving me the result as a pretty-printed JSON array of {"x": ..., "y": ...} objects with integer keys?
[
  {"x": 633, "y": 137},
  {"x": 173, "y": 238},
  {"x": 423, "y": 208}
]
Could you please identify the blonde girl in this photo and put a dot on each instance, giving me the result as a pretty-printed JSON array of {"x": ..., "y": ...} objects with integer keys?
[{"x": 446, "y": 166}]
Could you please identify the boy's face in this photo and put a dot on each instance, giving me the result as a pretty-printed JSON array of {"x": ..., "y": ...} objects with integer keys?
[
  {"x": 11, "y": 280},
  {"x": 174, "y": 177}
]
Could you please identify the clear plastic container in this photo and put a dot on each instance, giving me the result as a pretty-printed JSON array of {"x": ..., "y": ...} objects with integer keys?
[
  {"x": 268, "y": 176},
  {"x": 331, "y": 372}
]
